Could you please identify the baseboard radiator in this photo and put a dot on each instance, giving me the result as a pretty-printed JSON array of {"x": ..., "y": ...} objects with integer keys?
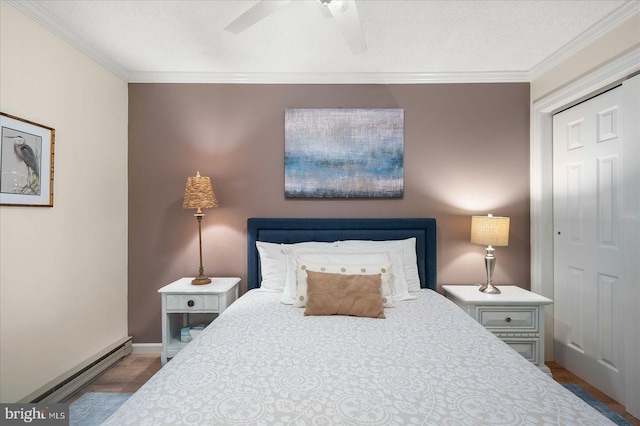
[{"x": 86, "y": 374}]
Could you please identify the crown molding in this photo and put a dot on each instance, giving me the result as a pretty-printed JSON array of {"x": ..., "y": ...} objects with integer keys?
[
  {"x": 329, "y": 77},
  {"x": 596, "y": 31},
  {"x": 53, "y": 24}
]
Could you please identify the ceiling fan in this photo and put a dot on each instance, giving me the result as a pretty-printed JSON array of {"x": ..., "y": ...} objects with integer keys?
[{"x": 344, "y": 12}]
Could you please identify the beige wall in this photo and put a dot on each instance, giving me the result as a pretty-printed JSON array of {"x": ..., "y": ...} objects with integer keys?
[
  {"x": 614, "y": 43},
  {"x": 63, "y": 288},
  {"x": 466, "y": 152}
]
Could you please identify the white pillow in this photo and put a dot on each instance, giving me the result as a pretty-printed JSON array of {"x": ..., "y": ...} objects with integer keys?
[
  {"x": 273, "y": 266},
  {"x": 339, "y": 255},
  {"x": 409, "y": 261},
  {"x": 337, "y": 265},
  {"x": 290, "y": 252},
  {"x": 399, "y": 287}
]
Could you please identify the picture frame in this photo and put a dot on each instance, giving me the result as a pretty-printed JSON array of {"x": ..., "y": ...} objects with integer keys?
[
  {"x": 344, "y": 153},
  {"x": 26, "y": 162}
]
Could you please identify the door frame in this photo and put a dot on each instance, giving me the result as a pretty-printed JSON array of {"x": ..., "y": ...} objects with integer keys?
[{"x": 541, "y": 176}]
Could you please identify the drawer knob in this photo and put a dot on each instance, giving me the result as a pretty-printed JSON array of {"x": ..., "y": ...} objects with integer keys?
[
  {"x": 190, "y": 303},
  {"x": 508, "y": 319}
]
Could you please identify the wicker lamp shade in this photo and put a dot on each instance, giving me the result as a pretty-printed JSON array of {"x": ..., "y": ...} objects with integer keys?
[
  {"x": 199, "y": 194},
  {"x": 490, "y": 230}
]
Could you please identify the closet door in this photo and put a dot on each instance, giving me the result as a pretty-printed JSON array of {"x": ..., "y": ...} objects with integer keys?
[{"x": 589, "y": 272}]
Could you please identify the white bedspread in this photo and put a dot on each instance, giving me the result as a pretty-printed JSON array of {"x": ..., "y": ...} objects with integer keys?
[{"x": 427, "y": 363}]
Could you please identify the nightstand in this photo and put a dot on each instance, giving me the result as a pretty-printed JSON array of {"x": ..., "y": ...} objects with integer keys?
[
  {"x": 515, "y": 315},
  {"x": 184, "y": 303}
]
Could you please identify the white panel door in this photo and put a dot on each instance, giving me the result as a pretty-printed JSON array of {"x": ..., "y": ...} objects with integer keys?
[{"x": 589, "y": 273}]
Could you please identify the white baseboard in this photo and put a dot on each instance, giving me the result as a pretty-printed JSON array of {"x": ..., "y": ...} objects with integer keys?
[{"x": 147, "y": 348}]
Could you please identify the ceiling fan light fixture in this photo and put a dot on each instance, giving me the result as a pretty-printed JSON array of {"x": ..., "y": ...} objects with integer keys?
[
  {"x": 340, "y": 5},
  {"x": 344, "y": 12}
]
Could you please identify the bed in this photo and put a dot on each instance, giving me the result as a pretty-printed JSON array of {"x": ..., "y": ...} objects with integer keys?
[{"x": 426, "y": 362}]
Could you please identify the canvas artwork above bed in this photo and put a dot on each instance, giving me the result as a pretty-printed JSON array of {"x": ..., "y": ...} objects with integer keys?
[
  {"x": 344, "y": 153},
  {"x": 280, "y": 355}
]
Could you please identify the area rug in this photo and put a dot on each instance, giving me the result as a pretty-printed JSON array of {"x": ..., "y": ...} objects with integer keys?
[
  {"x": 93, "y": 408},
  {"x": 603, "y": 409}
]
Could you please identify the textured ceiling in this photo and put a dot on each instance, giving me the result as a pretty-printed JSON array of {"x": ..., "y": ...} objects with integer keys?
[{"x": 185, "y": 40}]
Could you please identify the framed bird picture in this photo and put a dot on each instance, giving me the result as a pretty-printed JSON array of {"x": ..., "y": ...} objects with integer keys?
[{"x": 26, "y": 162}]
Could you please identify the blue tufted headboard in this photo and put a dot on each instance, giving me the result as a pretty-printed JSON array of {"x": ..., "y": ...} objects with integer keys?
[{"x": 284, "y": 230}]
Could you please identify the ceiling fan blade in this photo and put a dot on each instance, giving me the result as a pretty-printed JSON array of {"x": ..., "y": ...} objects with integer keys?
[
  {"x": 259, "y": 11},
  {"x": 346, "y": 16},
  {"x": 324, "y": 10}
]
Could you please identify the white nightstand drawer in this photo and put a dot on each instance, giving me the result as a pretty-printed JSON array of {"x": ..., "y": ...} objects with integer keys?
[
  {"x": 184, "y": 303},
  {"x": 191, "y": 302},
  {"x": 496, "y": 318},
  {"x": 526, "y": 348},
  {"x": 515, "y": 316}
]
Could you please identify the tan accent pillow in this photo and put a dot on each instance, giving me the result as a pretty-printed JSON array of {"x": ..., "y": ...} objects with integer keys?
[{"x": 338, "y": 294}]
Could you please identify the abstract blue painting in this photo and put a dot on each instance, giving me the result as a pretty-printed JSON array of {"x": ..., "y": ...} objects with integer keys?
[{"x": 344, "y": 153}]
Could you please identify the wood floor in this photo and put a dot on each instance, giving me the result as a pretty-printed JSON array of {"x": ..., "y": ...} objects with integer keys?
[
  {"x": 562, "y": 375},
  {"x": 128, "y": 375},
  {"x": 133, "y": 371}
]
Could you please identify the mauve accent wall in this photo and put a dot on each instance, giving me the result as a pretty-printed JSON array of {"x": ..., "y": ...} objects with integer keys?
[{"x": 466, "y": 151}]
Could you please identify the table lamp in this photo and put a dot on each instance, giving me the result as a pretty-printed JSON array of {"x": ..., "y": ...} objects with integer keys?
[
  {"x": 490, "y": 231},
  {"x": 199, "y": 195}
]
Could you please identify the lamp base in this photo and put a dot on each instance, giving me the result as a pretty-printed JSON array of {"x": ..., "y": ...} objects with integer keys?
[
  {"x": 201, "y": 280},
  {"x": 489, "y": 289},
  {"x": 489, "y": 263}
]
